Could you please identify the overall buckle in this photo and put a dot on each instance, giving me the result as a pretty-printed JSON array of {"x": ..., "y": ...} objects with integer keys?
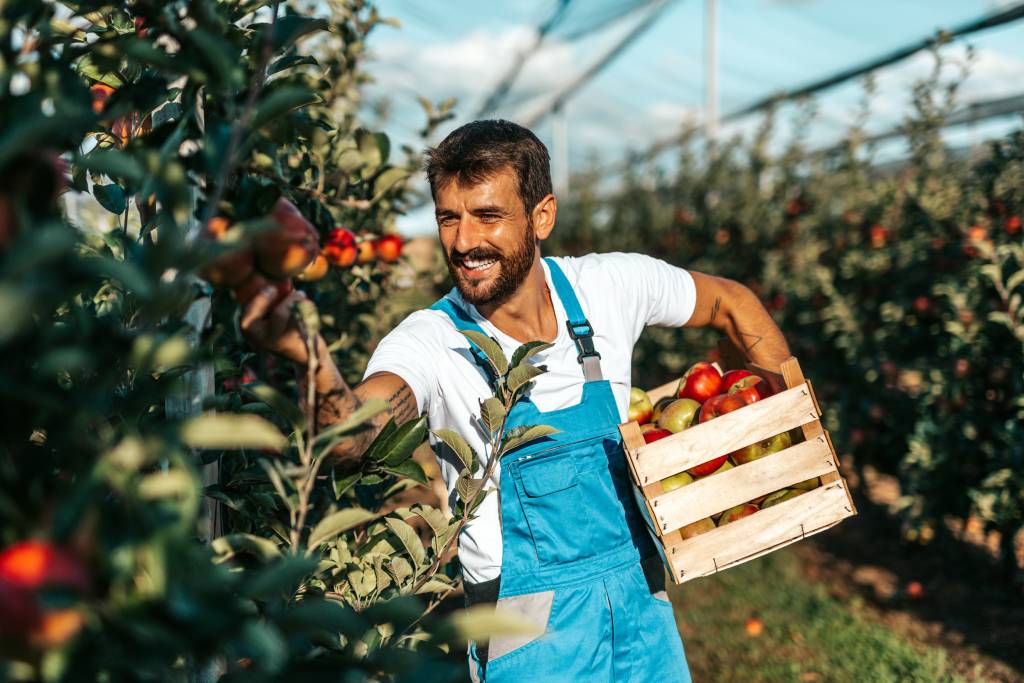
[{"x": 583, "y": 335}]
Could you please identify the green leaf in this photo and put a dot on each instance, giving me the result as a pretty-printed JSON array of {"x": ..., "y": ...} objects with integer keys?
[
  {"x": 492, "y": 412},
  {"x": 280, "y": 578},
  {"x": 520, "y": 375},
  {"x": 113, "y": 163},
  {"x": 230, "y": 430},
  {"x": 344, "y": 483},
  {"x": 111, "y": 197},
  {"x": 387, "y": 180},
  {"x": 356, "y": 420},
  {"x": 289, "y": 61},
  {"x": 409, "y": 539},
  {"x": 483, "y": 621},
  {"x": 338, "y": 523},
  {"x": 468, "y": 487},
  {"x": 219, "y": 54},
  {"x": 491, "y": 349},
  {"x": 527, "y": 350},
  {"x": 435, "y": 584},
  {"x": 282, "y": 101},
  {"x": 462, "y": 449},
  {"x": 520, "y": 436},
  {"x": 170, "y": 484},
  {"x": 290, "y": 28},
  {"x": 393, "y": 446},
  {"x": 1015, "y": 280},
  {"x": 284, "y": 407},
  {"x": 232, "y": 544},
  {"x": 410, "y": 469},
  {"x": 328, "y": 615}
]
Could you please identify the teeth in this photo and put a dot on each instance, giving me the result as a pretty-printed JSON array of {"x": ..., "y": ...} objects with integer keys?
[{"x": 478, "y": 265}]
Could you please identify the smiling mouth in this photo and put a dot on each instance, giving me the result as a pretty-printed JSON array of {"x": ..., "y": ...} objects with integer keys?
[{"x": 475, "y": 268}]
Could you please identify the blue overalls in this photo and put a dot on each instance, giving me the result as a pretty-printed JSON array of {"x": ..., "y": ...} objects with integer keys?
[{"x": 573, "y": 543}]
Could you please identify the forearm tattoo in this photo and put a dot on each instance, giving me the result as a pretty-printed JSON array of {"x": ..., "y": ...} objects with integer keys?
[
  {"x": 715, "y": 307},
  {"x": 403, "y": 404},
  {"x": 749, "y": 340}
]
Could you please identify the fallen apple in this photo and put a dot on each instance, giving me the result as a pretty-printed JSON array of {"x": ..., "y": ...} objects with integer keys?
[
  {"x": 678, "y": 415},
  {"x": 734, "y": 513},
  {"x": 640, "y": 407},
  {"x": 700, "y": 382}
]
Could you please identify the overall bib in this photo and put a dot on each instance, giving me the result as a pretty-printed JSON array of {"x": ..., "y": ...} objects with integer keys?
[{"x": 573, "y": 543}]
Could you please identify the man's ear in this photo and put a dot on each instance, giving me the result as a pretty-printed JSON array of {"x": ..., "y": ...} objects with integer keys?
[{"x": 544, "y": 216}]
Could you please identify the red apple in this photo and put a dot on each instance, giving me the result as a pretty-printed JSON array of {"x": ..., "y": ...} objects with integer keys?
[
  {"x": 712, "y": 408},
  {"x": 760, "y": 449},
  {"x": 696, "y": 528},
  {"x": 751, "y": 389},
  {"x": 388, "y": 248},
  {"x": 701, "y": 382},
  {"x": 653, "y": 435},
  {"x": 731, "y": 377},
  {"x": 649, "y": 427},
  {"x": 721, "y": 468},
  {"x": 365, "y": 252},
  {"x": 34, "y": 564},
  {"x": 342, "y": 237},
  {"x": 339, "y": 255},
  {"x": 230, "y": 269},
  {"x": 676, "y": 481},
  {"x": 640, "y": 408},
  {"x": 255, "y": 282},
  {"x": 734, "y": 513},
  {"x": 678, "y": 415},
  {"x": 286, "y": 251}
]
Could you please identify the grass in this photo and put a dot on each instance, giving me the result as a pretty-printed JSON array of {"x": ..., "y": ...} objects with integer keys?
[{"x": 808, "y": 636}]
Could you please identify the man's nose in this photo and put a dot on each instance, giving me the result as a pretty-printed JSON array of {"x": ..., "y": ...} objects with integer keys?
[{"x": 467, "y": 235}]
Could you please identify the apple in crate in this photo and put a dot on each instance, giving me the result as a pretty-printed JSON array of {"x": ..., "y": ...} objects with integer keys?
[
  {"x": 781, "y": 497},
  {"x": 640, "y": 407},
  {"x": 712, "y": 408},
  {"x": 678, "y": 415},
  {"x": 701, "y": 382},
  {"x": 760, "y": 449},
  {"x": 660, "y": 406},
  {"x": 676, "y": 481},
  {"x": 734, "y": 513},
  {"x": 750, "y": 388},
  {"x": 696, "y": 528},
  {"x": 808, "y": 484}
]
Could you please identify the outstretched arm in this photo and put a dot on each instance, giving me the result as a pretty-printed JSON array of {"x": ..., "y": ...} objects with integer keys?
[{"x": 731, "y": 308}]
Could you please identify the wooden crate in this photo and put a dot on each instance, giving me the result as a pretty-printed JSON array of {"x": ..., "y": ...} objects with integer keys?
[{"x": 765, "y": 530}]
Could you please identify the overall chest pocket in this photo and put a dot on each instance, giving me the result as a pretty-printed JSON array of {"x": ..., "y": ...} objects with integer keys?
[{"x": 570, "y": 504}]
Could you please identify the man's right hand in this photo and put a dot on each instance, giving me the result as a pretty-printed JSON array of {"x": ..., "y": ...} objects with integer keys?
[{"x": 268, "y": 322}]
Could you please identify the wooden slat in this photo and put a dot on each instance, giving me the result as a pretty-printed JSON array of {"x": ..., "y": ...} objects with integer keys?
[
  {"x": 667, "y": 389},
  {"x": 724, "y": 434},
  {"x": 633, "y": 439},
  {"x": 717, "y": 492},
  {"x": 762, "y": 532}
]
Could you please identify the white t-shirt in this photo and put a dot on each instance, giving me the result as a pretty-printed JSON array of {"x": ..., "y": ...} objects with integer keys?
[{"x": 619, "y": 293}]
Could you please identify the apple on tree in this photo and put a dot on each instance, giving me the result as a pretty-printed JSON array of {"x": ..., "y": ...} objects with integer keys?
[
  {"x": 388, "y": 248},
  {"x": 232, "y": 268},
  {"x": 286, "y": 251}
]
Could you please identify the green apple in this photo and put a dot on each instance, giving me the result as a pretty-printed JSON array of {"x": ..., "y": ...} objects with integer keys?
[
  {"x": 676, "y": 481},
  {"x": 781, "y": 497},
  {"x": 762, "y": 448},
  {"x": 808, "y": 484},
  {"x": 678, "y": 415},
  {"x": 640, "y": 407}
]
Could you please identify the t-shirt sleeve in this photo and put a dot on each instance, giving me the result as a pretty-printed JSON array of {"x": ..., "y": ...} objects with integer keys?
[
  {"x": 660, "y": 294},
  {"x": 403, "y": 352}
]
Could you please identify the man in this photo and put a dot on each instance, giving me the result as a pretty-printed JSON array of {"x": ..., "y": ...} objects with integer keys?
[{"x": 559, "y": 542}]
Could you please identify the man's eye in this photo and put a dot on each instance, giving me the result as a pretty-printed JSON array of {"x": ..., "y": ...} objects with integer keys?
[
  {"x": 447, "y": 220},
  {"x": 489, "y": 217}
]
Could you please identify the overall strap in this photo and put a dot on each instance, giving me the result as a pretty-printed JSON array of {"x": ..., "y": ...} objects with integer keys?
[
  {"x": 463, "y": 322},
  {"x": 579, "y": 327}
]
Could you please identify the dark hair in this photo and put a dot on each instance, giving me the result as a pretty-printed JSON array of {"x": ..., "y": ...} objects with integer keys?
[{"x": 478, "y": 150}]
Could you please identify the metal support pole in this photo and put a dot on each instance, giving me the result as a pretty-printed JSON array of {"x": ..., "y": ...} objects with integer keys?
[{"x": 710, "y": 74}]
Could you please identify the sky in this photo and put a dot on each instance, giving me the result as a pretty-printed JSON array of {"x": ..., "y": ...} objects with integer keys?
[{"x": 655, "y": 85}]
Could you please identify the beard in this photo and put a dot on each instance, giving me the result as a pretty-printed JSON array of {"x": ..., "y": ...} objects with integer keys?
[{"x": 512, "y": 271}]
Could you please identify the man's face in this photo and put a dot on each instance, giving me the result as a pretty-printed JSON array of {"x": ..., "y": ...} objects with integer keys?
[{"x": 487, "y": 237}]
